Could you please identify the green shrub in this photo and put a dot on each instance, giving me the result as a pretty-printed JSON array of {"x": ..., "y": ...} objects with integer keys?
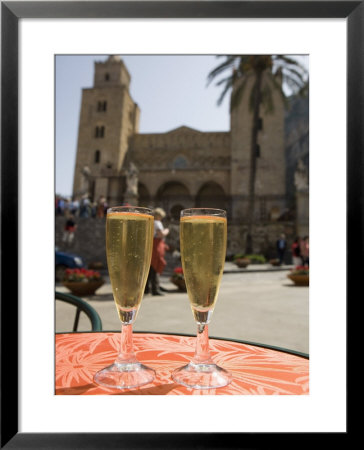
[
  {"x": 256, "y": 259},
  {"x": 238, "y": 256}
]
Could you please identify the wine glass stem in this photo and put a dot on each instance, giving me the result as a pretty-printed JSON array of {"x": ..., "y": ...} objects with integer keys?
[
  {"x": 126, "y": 354},
  {"x": 202, "y": 352}
]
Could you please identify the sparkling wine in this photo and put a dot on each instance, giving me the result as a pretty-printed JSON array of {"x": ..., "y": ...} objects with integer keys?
[
  {"x": 203, "y": 250},
  {"x": 129, "y": 243}
]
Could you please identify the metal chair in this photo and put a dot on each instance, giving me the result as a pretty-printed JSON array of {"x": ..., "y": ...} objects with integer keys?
[{"x": 81, "y": 305}]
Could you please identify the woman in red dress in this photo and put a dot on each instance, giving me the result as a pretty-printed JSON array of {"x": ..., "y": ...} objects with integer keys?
[{"x": 158, "y": 262}]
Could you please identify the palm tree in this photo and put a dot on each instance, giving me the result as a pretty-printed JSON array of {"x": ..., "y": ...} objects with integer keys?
[{"x": 266, "y": 72}]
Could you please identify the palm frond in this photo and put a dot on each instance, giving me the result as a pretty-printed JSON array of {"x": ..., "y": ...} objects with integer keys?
[
  {"x": 225, "y": 80},
  {"x": 227, "y": 87},
  {"x": 242, "y": 67},
  {"x": 228, "y": 63},
  {"x": 292, "y": 68},
  {"x": 290, "y": 72},
  {"x": 288, "y": 62},
  {"x": 294, "y": 84}
]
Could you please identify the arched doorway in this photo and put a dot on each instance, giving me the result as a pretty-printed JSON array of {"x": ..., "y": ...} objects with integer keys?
[
  {"x": 211, "y": 195},
  {"x": 176, "y": 211},
  {"x": 172, "y": 197}
]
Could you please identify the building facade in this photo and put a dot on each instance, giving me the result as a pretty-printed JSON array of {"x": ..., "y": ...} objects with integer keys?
[{"x": 183, "y": 167}]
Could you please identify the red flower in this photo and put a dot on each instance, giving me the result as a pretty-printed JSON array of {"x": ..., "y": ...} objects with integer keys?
[
  {"x": 178, "y": 270},
  {"x": 81, "y": 274}
]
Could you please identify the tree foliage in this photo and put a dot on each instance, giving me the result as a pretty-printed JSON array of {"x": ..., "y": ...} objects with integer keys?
[{"x": 267, "y": 73}]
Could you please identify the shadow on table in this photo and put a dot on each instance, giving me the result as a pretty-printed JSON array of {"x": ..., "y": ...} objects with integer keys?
[
  {"x": 76, "y": 390},
  {"x": 109, "y": 297},
  {"x": 162, "y": 389},
  {"x": 294, "y": 285}
]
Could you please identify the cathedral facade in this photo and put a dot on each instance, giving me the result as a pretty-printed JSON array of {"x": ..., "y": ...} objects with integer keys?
[{"x": 181, "y": 168}]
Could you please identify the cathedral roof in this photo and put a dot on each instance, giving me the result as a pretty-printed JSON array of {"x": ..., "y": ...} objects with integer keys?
[{"x": 183, "y": 129}]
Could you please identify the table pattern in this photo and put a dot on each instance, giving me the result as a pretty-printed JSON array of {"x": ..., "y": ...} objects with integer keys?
[{"x": 256, "y": 370}]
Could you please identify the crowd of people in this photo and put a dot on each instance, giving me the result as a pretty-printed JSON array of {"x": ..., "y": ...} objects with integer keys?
[
  {"x": 300, "y": 251},
  {"x": 83, "y": 207},
  {"x": 70, "y": 209},
  {"x": 80, "y": 207}
]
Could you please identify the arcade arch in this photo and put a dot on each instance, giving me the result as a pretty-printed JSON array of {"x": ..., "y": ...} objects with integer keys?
[
  {"x": 211, "y": 195},
  {"x": 172, "y": 197}
]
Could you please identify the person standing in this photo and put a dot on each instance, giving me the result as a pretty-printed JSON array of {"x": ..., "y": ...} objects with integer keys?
[
  {"x": 101, "y": 207},
  {"x": 75, "y": 205},
  {"x": 158, "y": 262},
  {"x": 85, "y": 207},
  {"x": 281, "y": 248},
  {"x": 296, "y": 252},
  {"x": 69, "y": 230},
  {"x": 305, "y": 251}
]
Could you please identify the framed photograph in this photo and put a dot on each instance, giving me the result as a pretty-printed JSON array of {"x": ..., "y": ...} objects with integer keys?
[{"x": 27, "y": 207}]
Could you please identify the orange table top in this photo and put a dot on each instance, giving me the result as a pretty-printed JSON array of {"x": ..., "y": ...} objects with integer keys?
[{"x": 255, "y": 370}]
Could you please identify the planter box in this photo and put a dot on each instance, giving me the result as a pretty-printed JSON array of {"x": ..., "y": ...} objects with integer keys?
[
  {"x": 80, "y": 288},
  {"x": 299, "y": 280},
  {"x": 180, "y": 283},
  {"x": 275, "y": 262},
  {"x": 242, "y": 263},
  {"x": 96, "y": 265}
]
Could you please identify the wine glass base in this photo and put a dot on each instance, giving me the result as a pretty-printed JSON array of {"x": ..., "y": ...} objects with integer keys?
[
  {"x": 202, "y": 376},
  {"x": 125, "y": 376}
]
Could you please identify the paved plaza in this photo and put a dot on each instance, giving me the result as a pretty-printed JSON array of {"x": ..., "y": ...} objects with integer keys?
[{"x": 259, "y": 304}]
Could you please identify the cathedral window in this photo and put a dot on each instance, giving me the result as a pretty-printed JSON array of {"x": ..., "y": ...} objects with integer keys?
[
  {"x": 101, "y": 106},
  {"x": 180, "y": 162},
  {"x": 100, "y": 131},
  {"x": 107, "y": 76},
  {"x": 97, "y": 156}
]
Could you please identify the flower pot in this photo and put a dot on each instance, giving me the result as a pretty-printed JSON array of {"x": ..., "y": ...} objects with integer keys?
[
  {"x": 275, "y": 262},
  {"x": 80, "y": 288},
  {"x": 96, "y": 265},
  {"x": 242, "y": 263},
  {"x": 299, "y": 280},
  {"x": 180, "y": 283}
]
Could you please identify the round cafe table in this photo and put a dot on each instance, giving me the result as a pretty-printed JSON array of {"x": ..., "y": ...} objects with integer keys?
[{"x": 256, "y": 370}]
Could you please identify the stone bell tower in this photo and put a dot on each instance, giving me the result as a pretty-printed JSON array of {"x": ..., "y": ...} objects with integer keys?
[
  {"x": 108, "y": 117},
  {"x": 270, "y": 168}
]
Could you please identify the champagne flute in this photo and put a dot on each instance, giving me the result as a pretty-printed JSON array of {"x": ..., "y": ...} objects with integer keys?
[
  {"x": 203, "y": 235},
  {"x": 129, "y": 243}
]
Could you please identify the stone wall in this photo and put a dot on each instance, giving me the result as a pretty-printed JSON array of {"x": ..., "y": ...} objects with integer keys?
[{"x": 89, "y": 241}]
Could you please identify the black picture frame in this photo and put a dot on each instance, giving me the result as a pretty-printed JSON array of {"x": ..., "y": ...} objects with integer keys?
[{"x": 11, "y": 13}]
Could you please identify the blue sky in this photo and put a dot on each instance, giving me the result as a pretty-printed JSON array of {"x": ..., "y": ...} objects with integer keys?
[{"x": 171, "y": 90}]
